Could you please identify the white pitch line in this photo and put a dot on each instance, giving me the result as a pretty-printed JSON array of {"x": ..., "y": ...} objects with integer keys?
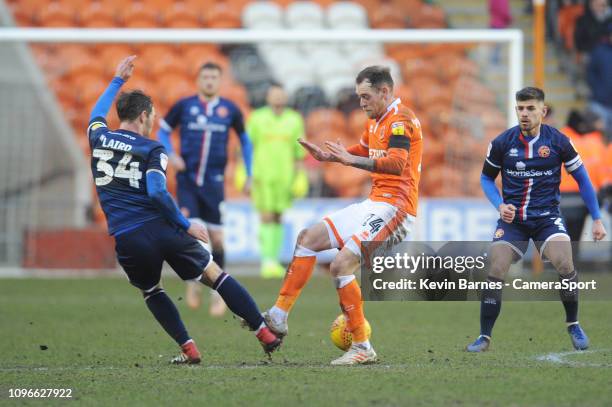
[{"x": 560, "y": 358}]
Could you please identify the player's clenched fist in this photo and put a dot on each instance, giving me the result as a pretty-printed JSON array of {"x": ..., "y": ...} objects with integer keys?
[
  {"x": 599, "y": 232},
  {"x": 198, "y": 231},
  {"x": 125, "y": 68},
  {"x": 507, "y": 212}
]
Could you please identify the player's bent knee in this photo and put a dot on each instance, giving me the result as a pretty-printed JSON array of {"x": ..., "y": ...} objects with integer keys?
[
  {"x": 211, "y": 274},
  {"x": 314, "y": 238},
  {"x": 345, "y": 263}
]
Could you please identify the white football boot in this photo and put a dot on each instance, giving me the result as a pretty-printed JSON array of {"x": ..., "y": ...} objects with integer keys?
[{"x": 356, "y": 355}]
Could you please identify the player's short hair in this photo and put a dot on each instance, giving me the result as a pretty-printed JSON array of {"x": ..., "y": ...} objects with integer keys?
[
  {"x": 275, "y": 84},
  {"x": 377, "y": 75},
  {"x": 530, "y": 93},
  {"x": 211, "y": 65},
  {"x": 131, "y": 104}
]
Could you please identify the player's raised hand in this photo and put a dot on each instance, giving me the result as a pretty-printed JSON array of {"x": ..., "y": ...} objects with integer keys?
[
  {"x": 507, "y": 212},
  {"x": 339, "y": 152},
  {"x": 598, "y": 230},
  {"x": 125, "y": 68},
  {"x": 315, "y": 151},
  {"x": 198, "y": 231}
]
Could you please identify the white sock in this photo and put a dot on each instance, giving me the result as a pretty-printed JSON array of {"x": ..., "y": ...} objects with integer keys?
[
  {"x": 277, "y": 314},
  {"x": 363, "y": 345},
  {"x": 263, "y": 324},
  {"x": 343, "y": 281}
]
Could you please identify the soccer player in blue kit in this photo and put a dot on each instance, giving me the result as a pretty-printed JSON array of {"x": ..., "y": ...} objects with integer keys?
[
  {"x": 529, "y": 157},
  {"x": 205, "y": 120},
  {"x": 129, "y": 171}
]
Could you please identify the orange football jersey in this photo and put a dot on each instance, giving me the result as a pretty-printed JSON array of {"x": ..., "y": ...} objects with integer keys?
[{"x": 402, "y": 190}]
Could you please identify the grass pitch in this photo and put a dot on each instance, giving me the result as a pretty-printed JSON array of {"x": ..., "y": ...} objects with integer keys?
[{"x": 104, "y": 345}]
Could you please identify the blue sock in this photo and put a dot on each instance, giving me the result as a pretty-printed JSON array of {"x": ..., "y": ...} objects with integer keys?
[
  {"x": 162, "y": 307},
  {"x": 238, "y": 300},
  {"x": 490, "y": 306},
  {"x": 219, "y": 257},
  {"x": 570, "y": 298}
]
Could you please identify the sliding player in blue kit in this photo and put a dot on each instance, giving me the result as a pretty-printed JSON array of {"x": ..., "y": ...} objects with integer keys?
[
  {"x": 129, "y": 170},
  {"x": 530, "y": 157}
]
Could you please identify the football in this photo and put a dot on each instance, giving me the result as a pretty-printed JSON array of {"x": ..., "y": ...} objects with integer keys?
[{"x": 340, "y": 335}]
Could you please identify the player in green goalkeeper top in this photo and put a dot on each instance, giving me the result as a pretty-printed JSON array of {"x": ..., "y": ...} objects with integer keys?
[{"x": 278, "y": 175}]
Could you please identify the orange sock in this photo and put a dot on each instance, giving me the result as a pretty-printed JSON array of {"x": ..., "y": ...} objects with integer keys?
[
  {"x": 296, "y": 278},
  {"x": 352, "y": 306}
]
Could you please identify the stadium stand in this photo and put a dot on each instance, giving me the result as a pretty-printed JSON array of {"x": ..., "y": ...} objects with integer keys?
[{"x": 458, "y": 112}]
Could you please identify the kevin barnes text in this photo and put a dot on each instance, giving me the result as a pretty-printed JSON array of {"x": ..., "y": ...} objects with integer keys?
[{"x": 464, "y": 284}]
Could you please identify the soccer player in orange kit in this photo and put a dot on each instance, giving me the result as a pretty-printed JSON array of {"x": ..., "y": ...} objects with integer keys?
[{"x": 390, "y": 148}]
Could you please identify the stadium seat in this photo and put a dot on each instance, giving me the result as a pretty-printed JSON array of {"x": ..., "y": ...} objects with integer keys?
[
  {"x": 111, "y": 54},
  {"x": 267, "y": 15},
  {"x": 96, "y": 14},
  {"x": 54, "y": 14},
  {"x": 222, "y": 14},
  {"x": 308, "y": 99},
  {"x": 173, "y": 87},
  {"x": 180, "y": 15},
  {"x": 138, "y": 15},
  {"x": 25, "y": 13},
  {"x": 357, "y": 120},
  {"x": 88, "y": 88},
  {"x": 347, "y": 15},
  {"x": 386, "y": 16},
  {"x": 369, "y": 5},
  {"x": 428, "y": 16},
  {"x": 337, "y": 86},
  {"x": 347, "y": 182},
  {"x": 304, "y": 15},
  {"x": 322, "y": 120}
]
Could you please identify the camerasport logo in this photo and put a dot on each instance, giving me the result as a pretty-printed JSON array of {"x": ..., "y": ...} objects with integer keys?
[
  {"x": 544, "y": 151},
  {"x": 499, "y": 233}
]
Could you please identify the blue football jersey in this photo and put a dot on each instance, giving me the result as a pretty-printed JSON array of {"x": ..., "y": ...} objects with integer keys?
[
  {"x": 531, "y": 169},
  {"x": 120, "y": 160},
  {"x": 204, "y": 130}
]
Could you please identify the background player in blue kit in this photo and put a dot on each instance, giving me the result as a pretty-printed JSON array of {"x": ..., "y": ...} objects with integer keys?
[
  {"x": 530, "y": 157},
  {"x": 205, "y": 120},
  {"x": 129, "y": 171}
]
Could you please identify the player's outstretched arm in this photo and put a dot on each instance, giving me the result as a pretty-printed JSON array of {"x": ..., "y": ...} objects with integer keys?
[
  {"x": 589, "y": 196},
  {"x": 315, "y": 151},
  {"x": 392, "y": 164},
  {"x": 123, "y": 73}
]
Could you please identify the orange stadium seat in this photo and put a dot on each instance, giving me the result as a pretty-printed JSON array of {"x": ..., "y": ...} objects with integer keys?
[
  {"x": 325, "y": 119},
  {"x": 222, "y": 15},
  {"x": 96, "y": 14},
  {"x": 111, "y": 54},
  {"x": 171, "y": 88},
  {"x": 54, "y": 14},
  {"x": 347, "y": 182},
  {"x": 88, "y": 88},
  {"x": 386, "y": 16},
  {"x": 415, "y": 70},
  {"x": 193, "y": 56},
  {"x": 180, "y": 15},
  {"x": 85, "y": 64},
  {"x": 370, "y": 5},
  {"x": 357, "y": 120},
  {"x": 428, "y": 16},
  {"x": 138, "y": 15},
  {"x": 25, "y": 11}
]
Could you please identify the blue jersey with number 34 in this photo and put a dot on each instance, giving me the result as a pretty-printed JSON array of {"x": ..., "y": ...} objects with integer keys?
[{"x": 120, "y": 160}]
